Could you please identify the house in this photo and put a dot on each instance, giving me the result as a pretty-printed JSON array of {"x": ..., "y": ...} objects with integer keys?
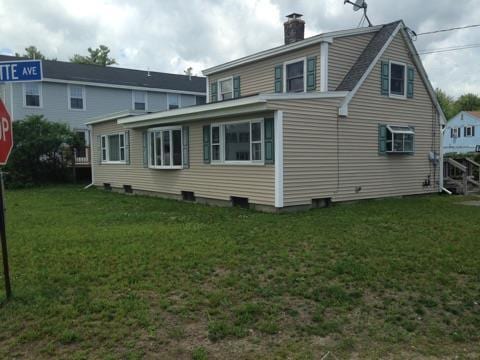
[
  {"x": 339, "y": 116},
  {"x": 462, "y": 133},
  {"x": 73, "y": 93}
]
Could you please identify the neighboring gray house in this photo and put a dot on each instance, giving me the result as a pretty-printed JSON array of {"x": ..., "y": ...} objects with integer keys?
[{"x": 73, "y": 93}]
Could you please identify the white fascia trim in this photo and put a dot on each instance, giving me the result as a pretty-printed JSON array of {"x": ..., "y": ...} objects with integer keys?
[
  {"x": 126, "y": 87},
  {"x": 418, "y": 63},
  {"x": 290, "y": 47},
  {"x": 278, "y": 125},
  {"x": 112, "y": 116},
  {"x": 343, "y": 108},
  {"x": 324, "y": 46}
]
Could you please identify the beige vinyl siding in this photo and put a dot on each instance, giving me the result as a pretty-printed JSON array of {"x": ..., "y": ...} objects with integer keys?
[
  {"x": 342, "y": 54},
  {"x": 255, "y": 182},
  {"x": 312, "y": 168},
  {"x": 259, "y": 76}
]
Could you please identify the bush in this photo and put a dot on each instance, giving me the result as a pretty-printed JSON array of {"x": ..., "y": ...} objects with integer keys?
[{"x": 40, "y": 152}]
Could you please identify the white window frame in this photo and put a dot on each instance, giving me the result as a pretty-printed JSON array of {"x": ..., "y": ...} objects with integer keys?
[
  {"x": 107, "y": 149},
  {"x": 179, "y": 101},
  {"x": 467, "y": 128},
  {"x": 219, "y": 94},
  {"x": 222, "y": 160},
  {"x": 69, "y": 96},
  {"x": 40, "y": 93},
  {"x": 151, "y": 162},
  {"x": 304, "y": 59},
  {"x": 145, "y": 99},
  {"x": 396, "y": 96},
  {"x": 456, "y": 131},
  {"x": 406, "y": 130}
]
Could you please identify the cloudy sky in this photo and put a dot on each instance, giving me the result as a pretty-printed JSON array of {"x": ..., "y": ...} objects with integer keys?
[{"x": 171, "y": 35}]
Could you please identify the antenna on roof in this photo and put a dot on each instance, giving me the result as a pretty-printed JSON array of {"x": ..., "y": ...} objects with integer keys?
[{"x": 357, "y": 5}]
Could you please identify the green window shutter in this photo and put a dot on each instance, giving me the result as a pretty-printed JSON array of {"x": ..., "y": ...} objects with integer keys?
[
  {"x": 269, "y": 137},
  {"x": 385, "y": 78},
  {"x": 206, "y": 144},
  {"x": 127, "y": 147},
  {"x": 99, "y": 147},
  {"x": 382, "y": 139},
  {"x": 186, "y": 147},
  {"x": 145, "y": 149},
  {"x": 279, "y": 78},
  {"x": 410, "y": 78},
  {"x": 311, "y": 73},
  {"x": 236, "y": 87},
  {"x": 213, "y": 92}
]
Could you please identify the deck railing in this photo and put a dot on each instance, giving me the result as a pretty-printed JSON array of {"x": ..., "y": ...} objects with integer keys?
[
  {"x": 461, "y": 175},
  {"x": 82, "y": 157}
]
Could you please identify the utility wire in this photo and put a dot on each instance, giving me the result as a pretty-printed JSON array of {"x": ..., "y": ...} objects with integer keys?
[
  {"x": 451, "y": 29},
  {"x": 454, "y": 48}
]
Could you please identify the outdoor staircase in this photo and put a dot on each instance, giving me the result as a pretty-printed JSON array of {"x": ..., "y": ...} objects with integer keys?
[{"x": 461, "y": 176}]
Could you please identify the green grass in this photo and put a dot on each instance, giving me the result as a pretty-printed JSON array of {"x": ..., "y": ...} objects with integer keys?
[{"x": 103, "y": 275}]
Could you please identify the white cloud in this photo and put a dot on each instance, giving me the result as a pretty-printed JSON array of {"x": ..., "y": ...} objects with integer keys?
[{"x": 172, "y": 35}]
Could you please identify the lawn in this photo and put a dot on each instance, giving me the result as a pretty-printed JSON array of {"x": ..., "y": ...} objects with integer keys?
[{"x": 104, "y": 275}]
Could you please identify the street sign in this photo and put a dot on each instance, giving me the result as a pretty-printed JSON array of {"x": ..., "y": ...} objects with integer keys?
[
  {"x": 6, "y": 134},
  {"x": 21, "y": 70}
]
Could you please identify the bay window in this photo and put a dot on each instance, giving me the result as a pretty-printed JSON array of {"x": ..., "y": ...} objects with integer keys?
[
  {"x": 113, "y": 148},
  {"x": 237, "y": 142},
  {"x": 165, "y": 148},
  {"x": 400, "y": 139}
]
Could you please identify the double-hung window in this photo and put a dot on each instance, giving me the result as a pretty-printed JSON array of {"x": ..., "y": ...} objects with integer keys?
[
  {"x": 173, "y": 101},
  {"x": 295, "y": 76},
  {"x": 469, "y": 131},
  {"x": 455, "y": 132},
  {"x": 237, "y": 142},
  {"x": 400, "y": 139},
  {"x": 398, "y": 79},
  {"x": 165, "y": 148},
  {"x": 32, "y": 94},
  {"x": 225, "y": 89},
  {"x": 113, "y": 148},
  {"x": 76, "y": 97},
  {"x": 139, "y": 99}
]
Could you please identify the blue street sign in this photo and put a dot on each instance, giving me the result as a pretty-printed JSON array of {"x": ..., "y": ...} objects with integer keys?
[{"x": 21, "y": 70}]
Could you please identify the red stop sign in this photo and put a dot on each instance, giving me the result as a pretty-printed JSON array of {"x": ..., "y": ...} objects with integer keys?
[{"x": 6, "y": 134}]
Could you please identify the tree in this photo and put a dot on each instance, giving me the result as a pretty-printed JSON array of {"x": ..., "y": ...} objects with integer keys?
[
  {"x": 32, "y": 52},
  {"x": 39, "y": 153},
  {"x": 99, "y": 56},
  {"x": 468, "y": 102},
  {"x": 447, "y": 103}
]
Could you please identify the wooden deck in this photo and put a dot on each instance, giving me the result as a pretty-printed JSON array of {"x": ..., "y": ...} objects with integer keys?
[{"x": 461, "y": 176}]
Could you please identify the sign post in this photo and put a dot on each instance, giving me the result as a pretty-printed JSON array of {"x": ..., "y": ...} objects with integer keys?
[{"x": 6, "y": 144}]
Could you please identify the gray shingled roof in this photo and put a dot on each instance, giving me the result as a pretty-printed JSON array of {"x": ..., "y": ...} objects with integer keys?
[
  {"x": 367, "y": 56},
  {"x": 62, "y": 70}
]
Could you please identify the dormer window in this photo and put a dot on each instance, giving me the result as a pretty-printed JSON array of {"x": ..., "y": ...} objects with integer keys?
[
  {"x": 225, "y": 89},
  {"x": 295, "y": 76}
]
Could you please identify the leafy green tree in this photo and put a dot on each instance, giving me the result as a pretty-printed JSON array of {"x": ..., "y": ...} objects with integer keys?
[
  {"x": 40, "y": 152},
  {"x": 32, "y": 52},
  {"x": 446, "y": 102},
  {"x": 98, "y": 56},
  {"x": 468, "y": 102}
]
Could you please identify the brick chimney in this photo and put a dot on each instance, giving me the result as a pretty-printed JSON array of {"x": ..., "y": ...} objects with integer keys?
[{"x": 294, "y": 28}]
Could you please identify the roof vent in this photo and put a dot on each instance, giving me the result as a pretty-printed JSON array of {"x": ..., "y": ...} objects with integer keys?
[{"x": 294, "y": 28}]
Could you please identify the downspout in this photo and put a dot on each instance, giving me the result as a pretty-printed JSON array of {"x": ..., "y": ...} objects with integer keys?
[{"x": 90, "y": 128}]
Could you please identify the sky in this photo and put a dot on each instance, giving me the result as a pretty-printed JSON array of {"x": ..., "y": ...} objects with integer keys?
[{"x": 172, "y": 35}]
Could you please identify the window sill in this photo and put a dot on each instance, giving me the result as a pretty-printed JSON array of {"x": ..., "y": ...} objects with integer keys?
[
  {"x": 71, "y": 109},
  {"x": 237, "y": 163},
  {"x": 113, "y": 163},
  {"x": 399, "y": 97},
  {"x": 178, "y": 167},
  {"x": 32, "y": 107},
  {"x": 400, "y": 152}
]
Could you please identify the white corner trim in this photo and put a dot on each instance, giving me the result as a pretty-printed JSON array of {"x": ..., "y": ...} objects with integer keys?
[
  {"x": 278, "y": 125},
  {"x": 343, "y": 108},
  {"x": 324, "y": 66},
  {"x": 208, "y": 90}
]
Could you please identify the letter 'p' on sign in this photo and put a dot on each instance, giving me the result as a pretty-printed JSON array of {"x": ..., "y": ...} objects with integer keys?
[{"x": 6, "y": 134}]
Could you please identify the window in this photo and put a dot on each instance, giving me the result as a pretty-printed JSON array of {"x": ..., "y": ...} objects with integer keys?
[
  {"x": 400, "y": 139},
  {"x": 237, "y": 142},
  {"x": 32, "y": 94},
  {"x": 469, "y": 131},
  {"x": 225, "y": 89},
  {"x": 397, "y": 79},
  {"x": 139, "y": 99},
  {"x": 165, "y": 146},
  {"x": 76, "y": 97},
  {"x": 173, "y": 101},
  {"x": 294, "y": 76},
  {"x": 455, "y": 132},
  {"x": 113, "y": 148}
]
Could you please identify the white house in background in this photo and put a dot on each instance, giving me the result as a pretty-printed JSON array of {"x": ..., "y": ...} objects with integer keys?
[{"x": 462, "y": 133}]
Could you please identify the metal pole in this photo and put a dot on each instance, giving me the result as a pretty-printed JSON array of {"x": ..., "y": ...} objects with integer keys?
[{"x": 6, "y": 272}]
